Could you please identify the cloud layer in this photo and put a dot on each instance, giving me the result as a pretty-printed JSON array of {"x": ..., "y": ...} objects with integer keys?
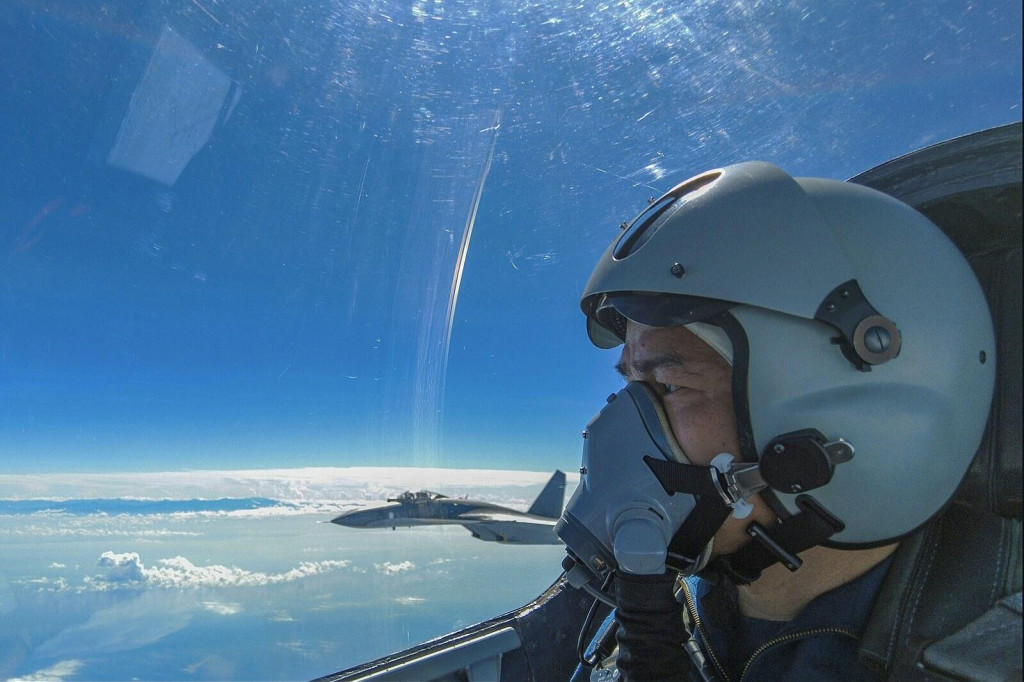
[
  {"x": 128, "y": 570},
  {"x": 389, "y": 568},
  {"x": 304, "y": 486},
  {"x": 56, "y": 672}
]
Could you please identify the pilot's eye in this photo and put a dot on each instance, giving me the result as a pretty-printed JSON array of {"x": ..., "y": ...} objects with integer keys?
[{"x": 671, "y": 388}]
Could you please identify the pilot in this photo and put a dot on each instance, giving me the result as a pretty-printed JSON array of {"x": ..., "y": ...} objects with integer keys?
[{"x": 837, "y": 339}]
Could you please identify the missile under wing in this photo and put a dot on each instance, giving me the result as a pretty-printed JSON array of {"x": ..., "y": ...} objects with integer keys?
[{"x": 484, "y": 520}]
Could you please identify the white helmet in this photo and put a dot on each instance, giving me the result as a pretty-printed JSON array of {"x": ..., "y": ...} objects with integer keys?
[{"x": 853, "y": 319}]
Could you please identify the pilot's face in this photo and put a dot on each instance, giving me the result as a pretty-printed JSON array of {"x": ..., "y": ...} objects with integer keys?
[{"x": 695, "y": 385}]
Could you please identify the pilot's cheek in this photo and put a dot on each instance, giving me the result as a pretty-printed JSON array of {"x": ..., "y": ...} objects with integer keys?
[{"x": 701, "y": 431}]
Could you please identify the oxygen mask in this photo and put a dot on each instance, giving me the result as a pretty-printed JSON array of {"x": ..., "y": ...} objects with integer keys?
[{"x": 641, "y": 506}]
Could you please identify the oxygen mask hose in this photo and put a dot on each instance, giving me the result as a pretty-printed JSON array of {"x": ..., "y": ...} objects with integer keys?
[{"x": 651, "y": 631}]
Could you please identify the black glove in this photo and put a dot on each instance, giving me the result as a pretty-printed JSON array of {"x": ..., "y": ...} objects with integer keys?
[{"x": 651, "y": 632}]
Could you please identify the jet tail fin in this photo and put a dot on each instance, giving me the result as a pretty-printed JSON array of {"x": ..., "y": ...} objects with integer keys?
[{"x": 549, "y": 503}]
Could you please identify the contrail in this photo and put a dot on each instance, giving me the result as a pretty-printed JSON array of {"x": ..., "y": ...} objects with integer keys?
[{"x": 467, "y": 234}]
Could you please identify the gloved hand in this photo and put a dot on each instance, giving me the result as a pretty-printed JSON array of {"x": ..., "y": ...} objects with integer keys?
[{"x": 651, "y": 631}]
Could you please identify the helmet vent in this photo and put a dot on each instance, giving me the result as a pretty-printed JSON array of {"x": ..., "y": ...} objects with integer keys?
[
  {"x": 647, "y": 224},
  {"x": 643, "y": 228}
]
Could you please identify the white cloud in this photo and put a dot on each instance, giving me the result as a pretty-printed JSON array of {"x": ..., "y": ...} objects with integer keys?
[
  {"x": 324, "y": 486},
  {"x": 122, "y": 567},
  {"x": 43, "y": 584},
  {"x": 388, "y": 568},
  {"x": 282, "y": 617},
  {"x": 222, "y": 608},
  {"x": 58, "y": 565},
  {"x": 128, "y": 570},
  {"x": 57, "y": 671},
  {"x": 409, "y": 601},
  {"x": 89, "y": 527}
]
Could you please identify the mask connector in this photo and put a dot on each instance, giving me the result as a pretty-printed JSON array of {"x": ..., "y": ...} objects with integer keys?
[
  {"x": 639, "y": 542},
  {"x": 737, "y": 483}
]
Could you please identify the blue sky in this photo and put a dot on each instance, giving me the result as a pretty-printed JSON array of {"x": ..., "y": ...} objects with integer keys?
[{"x": 285, "y": 300}]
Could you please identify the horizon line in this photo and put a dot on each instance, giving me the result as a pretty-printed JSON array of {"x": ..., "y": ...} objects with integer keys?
[{"x": 140, "y": 472}]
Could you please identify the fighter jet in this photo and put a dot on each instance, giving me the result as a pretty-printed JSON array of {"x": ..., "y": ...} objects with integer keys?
[{"x": 484, "y": 520}]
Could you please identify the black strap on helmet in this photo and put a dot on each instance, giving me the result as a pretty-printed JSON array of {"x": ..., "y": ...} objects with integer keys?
[
  {"x": 781, "y": 543},
  {"x": 696, "y": 532}
]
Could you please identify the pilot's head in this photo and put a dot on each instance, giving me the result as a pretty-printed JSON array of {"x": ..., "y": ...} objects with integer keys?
[
  {"x": 689, "y": 368},
  {"x": 760, "y": 306}
]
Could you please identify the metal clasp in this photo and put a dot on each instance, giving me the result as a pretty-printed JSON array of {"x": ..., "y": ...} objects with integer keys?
[{"x": 736, "y": 482}]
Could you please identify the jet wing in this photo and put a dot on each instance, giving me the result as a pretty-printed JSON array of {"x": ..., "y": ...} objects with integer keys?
[
  {"x": 510, "y": 528},
  {"x": 498, "y": 517}
]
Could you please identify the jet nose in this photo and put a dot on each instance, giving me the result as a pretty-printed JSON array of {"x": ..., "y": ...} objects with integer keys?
[{"x": 353, "y": 519}]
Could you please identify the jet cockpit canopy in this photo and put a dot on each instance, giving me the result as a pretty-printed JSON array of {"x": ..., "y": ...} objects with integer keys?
[{"x": 418, "y": 496}]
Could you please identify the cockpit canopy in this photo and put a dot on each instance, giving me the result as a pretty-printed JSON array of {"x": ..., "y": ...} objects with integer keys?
[{"x": 418, "y": 496}]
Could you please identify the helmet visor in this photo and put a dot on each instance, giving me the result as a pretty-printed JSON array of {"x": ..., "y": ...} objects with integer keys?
[{"x": 607, "y": 323}]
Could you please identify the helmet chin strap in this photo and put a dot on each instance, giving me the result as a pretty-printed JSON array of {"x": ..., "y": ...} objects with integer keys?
[
  {"x": 721, "y": 491},
  {"x": 810, "y": 527}
]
